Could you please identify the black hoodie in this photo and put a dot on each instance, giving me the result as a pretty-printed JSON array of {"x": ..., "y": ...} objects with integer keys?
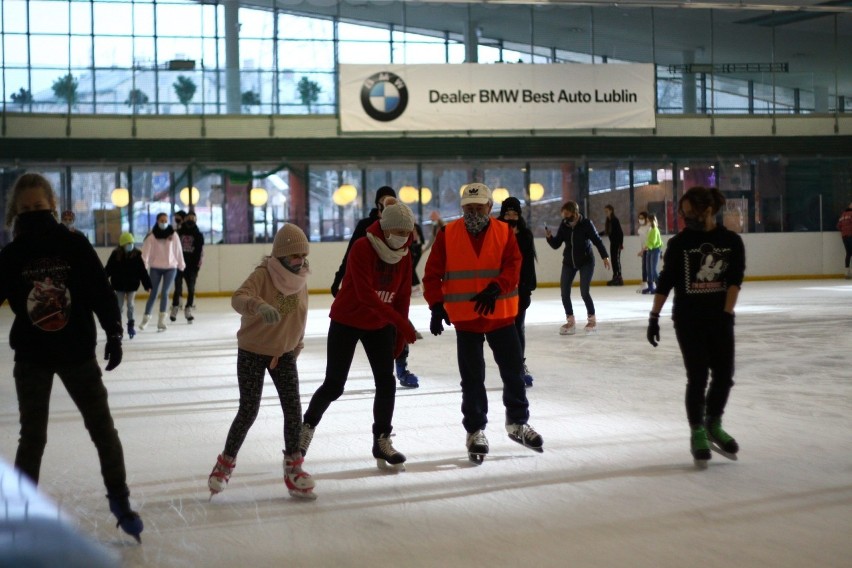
[{"x": 55, "y": 284}]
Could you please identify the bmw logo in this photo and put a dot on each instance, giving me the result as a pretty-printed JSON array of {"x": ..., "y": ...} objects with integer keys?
[{"x": 384, "y": 96}]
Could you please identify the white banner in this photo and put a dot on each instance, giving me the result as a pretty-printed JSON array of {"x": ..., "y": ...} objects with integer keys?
[{"x": 396, "y": 98}]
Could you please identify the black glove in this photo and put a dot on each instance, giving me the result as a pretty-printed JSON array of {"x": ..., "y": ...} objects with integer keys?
[
  {"x": 113, "y": 352},
  {"x": 654, "y": 329},
  {"x": 486, "y": 300},
  {"x": 439, "y": 314},
  {"x": 335, "y": 288}
]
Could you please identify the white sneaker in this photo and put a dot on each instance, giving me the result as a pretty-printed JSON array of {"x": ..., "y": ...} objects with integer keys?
[{"x": 569, "y": 328}]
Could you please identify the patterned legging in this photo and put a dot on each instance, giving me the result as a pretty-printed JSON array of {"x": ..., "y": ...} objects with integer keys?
[{"x": 251, "y": 368}]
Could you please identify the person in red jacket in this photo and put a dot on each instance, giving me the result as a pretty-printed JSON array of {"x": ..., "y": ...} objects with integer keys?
[
  {"x": 471, "y": 282},
  {"x": 371, "y": 307},
  {"x": 844, "y": 225}
]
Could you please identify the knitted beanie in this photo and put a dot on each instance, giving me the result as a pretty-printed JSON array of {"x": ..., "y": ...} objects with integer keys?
[
  {"x": 510, "y": 204},
  {"x": 126, "y": 239},
  {"x": 397, "y": 216},
  {"x": 289, "y": 239},
  {"x": 384, "y": 191}
]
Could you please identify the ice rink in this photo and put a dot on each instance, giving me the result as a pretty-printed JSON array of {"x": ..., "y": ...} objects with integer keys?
[{"x": 615, "y": 486}]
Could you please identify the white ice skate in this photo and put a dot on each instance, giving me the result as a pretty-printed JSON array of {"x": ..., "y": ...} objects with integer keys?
[
  {"x": 386, "y": 456},
  {"x": 569, "y": 327},
  {"x": 299, "y": 482},
  {"x": 221, "y": 474},
  {"x": 161, "y": 322},
  {"x": 477, "y": 446}
]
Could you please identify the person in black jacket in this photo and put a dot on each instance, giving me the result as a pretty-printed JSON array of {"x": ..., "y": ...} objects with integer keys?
[
  {"x": 704, "y": 265},
  {"x": 612, "y": 229},
  {"x": 385, "y": 195},
  {"x": 510, "y": 212},
  {"x": 192, "y": 243},
  {"x": 578, "y": 233},
  {"x": 125, "y": 270},
  {"x": 55, "y": 284}
]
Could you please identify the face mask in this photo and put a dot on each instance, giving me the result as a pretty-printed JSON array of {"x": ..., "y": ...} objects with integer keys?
[
  {"x": 694, "y": 223},
  {"x": 33, "y": 221},
  {"x": 511, "y": 222},
  {"x": 294, "y": 266},
  {"x": 68, "y": 224},
  {"x": 396, "y": 242},
  {"x": 474, "y": 222},
  {"x": 128, "y": 247},
  {"x": 189, "y": 224},
  {"x": 162, "y": 226}
]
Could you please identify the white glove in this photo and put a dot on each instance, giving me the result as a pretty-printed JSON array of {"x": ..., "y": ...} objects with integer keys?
[{"x": 269, "y": 314}]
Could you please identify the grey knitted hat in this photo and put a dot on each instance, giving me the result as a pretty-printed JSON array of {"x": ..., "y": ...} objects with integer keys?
[{"x": 397, "y": 216}]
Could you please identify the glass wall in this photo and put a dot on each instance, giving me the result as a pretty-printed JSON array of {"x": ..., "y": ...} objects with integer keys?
[
  {"x": 169, "y": 56},
  {"x": 244, "y": 203}
]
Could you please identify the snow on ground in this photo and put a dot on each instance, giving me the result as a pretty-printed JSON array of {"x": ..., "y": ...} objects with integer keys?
[{"x": 614, "y": 487}]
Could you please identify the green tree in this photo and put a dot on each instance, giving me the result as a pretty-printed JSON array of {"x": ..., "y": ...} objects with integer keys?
[
  {"x": 308, "y": 92},
  {"x": 65, "y": 89},
  {"x": 185, "y": 90},
  {"x": 250, "y": 99},
  {"x": 22, "y": 97},
  {"x": 136, "y": 99}
]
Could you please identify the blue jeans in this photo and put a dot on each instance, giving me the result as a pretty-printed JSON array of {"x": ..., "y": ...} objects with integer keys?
[
  {"x": 652, "y": 258},
  {"x": 131, "y": 298},
  {"x": 167, "y": 275},
  {"x": 568, "y": 274},
  {"x": 506, "y": 348}
]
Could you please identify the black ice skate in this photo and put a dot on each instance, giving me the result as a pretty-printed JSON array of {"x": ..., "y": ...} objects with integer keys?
[
  {"x": 477, "y": 447},
  {"x": 720, "y": 441},
  {"x": 525, "y": 435},
  {"x": 386, "y": 456}
]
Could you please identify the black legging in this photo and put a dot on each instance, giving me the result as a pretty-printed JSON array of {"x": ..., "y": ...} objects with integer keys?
[
  {"x": 340, "y": 350},
  {"x": 615, "y": 259}
]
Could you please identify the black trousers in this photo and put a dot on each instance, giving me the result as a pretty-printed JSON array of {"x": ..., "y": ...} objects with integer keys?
[
  {"x": 190, "y": 276},
  {"x": 378, "y": 345},
  {"x": 506, "y": 348},
  {"x": 83, "y": 381},
  {"x": 524, "y": 301},
  {"x": 707, "y": 346},
  {"x": 615, "y": 259}
]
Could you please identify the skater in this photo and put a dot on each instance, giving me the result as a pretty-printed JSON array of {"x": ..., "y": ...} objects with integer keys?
[
  {"x": 163, "y": 257},
  {"x": 471, "y": 282},
  {"x": 384, "y": 196},
  {"x": 416, "y": 250},
  {"x": 612, "y": 229},
  {"x": 704, "y": 265},
  {"x": 642, "y": 233},
  {"x": 579, "y": 234},
  {"x": 125, "y": 270},
  {"x": 510, "y": 213},
  {"x": 69, "y": 218},
  {"x": 653, "y": 248},
  {"x": 437, "y": 225},
  {"x": 56, "y": 284},
  {"x": 273, "y": 303},
  {"x": 371, "y": 307},
  {"x": 192, "y": 243},
  {"x": 844, "y": 225}
]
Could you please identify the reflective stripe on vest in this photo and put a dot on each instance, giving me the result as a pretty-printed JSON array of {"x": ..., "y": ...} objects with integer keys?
[{"x": 468, "y": 274}]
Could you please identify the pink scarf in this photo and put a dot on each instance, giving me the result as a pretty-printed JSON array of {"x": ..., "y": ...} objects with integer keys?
[{"x": 285, "y": 281}]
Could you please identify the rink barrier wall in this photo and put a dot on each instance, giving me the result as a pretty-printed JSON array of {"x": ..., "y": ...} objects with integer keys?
[{"x": 769, "y": 256}]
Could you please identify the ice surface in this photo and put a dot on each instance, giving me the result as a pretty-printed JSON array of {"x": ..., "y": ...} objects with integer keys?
[{"x": 614, "y": 487}]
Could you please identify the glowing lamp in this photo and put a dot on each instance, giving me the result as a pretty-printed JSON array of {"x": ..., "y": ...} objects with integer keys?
[
  {"x": 189, "y": 195},
  {"x": 425, "y": 195},
  {"x": 344, "y": 195},
  {"x": 258, "y": 196},
  {"x": 499, "y": 194},
  {"x": 120, "y": 197},
  {"x": 408, "y": 194},
  {"x": 536, "y": 191}
]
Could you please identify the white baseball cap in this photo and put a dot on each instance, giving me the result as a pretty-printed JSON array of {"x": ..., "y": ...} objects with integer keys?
[{"x": 478, "y": 193}]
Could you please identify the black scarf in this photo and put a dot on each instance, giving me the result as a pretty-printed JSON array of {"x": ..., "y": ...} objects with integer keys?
[{"x": 162, "y": 233}]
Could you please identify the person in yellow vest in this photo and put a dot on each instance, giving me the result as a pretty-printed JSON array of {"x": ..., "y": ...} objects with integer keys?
[{"x": 471, "y": 282}]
